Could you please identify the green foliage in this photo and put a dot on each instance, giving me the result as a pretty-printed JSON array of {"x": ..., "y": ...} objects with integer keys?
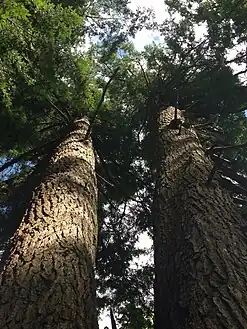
[
  {"x": 32, "y": 34},
  {"x": 39, "y": 67},
  {"x": 48, "y": 79}
]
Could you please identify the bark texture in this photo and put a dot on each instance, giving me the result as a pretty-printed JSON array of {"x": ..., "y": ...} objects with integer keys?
[
  {"x": 48, "y": 280},
  {"x": 200, "y": 252}
]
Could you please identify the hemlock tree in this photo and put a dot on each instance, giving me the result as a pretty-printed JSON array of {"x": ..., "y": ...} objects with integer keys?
[
  {"x": 142, "y": 89},
  {"x": 200, "y": 250},
  {"x": 48, "y": 280},
  {"x": 200, "y": 246},
  {"x": 46, "y": 87}
]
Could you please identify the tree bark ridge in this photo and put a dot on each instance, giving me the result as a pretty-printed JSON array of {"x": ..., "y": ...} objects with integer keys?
[
  {"x": 48, "y": 280},
  {"x": 200, "y": 251}
]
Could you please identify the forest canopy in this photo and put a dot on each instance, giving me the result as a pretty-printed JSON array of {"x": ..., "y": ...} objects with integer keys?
[{"x": 62, "y": 61}]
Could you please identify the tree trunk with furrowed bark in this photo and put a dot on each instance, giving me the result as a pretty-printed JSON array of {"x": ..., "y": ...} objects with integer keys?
[
  {"x": 200, "y": 251},
  {"x": 48, "y": 280}
]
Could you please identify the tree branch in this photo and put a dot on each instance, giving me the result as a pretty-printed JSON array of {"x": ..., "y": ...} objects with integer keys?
[
  {"x": 67, "y": 119},
  {"x": 89, "y": 131},
  {"x": 240, "y": 72},
  {"x": 230, "y": 186},
  {"x": 113, "y": 322},
  {"x": 223, "y": 148},
  {"x": 145, "y": 75},
  {"x": 36, "y": 151}
]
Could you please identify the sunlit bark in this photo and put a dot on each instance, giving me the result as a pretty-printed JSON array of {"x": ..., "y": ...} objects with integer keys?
[{"x": 48, "y": 280}]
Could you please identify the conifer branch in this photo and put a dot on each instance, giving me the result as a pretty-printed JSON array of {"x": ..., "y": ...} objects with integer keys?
[
  {"x": 144, "y": 74},
  {"x": 113, "y": 321},
  {"x": 223, "y": 148},
  {"x": 39, "y": 150},
  {"x": 67, "y": 119},
  {"x": 89, "y": 131}
]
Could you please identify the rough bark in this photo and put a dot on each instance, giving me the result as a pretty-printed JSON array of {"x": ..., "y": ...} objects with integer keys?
[
  {"x": 48, "y": 280},
  {"x": 200, "y": 251}
]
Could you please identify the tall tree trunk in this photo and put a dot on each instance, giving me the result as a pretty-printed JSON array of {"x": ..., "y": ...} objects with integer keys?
[
  {"x": 48, "y": 280},
  {"x": 200, "y": 252}
]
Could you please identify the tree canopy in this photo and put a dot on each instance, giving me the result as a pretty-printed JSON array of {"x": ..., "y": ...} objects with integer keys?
[{"x": 53, "y": 73}]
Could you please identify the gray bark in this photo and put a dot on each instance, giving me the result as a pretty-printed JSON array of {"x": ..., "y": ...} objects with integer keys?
[
  {"x": 200, "y": 251},
  {"x": 48, "y": 280}
]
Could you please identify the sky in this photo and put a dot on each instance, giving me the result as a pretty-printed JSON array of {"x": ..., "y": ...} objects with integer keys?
[{"x": 145, "y": 37}]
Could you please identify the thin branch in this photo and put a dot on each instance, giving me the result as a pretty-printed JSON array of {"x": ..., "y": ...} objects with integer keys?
[
  {"x": 201, "y": 125},
  {"x": 104, "y": 167},
  {"x": 101, "y": 17},
  {"x": 89, "y": 131},
  {"x": 223, "y": 166},
  {"x": 240, "y": 201},
  {"x": 67, "y": 120},
  {"x": 129, "y": 70},
  {"x": 107, "y": 199},
  {"x": 107, "y": 182},
  {"x": 14, "y": 160},
  {"x": 113, "y": 322},
  {"x": 145, "y": 75},
  {"x": 223, "y": 148},
  {"x": 190, "y": 50},
  {"x": 68, "y": 114},
  {"x": 49, "y": 126},
  {"x": 240, "y": 72},
  {"x": 236, "y": 59},
  {"x": 36, "y": 151},
  {"x": 230, "y": 186}
]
